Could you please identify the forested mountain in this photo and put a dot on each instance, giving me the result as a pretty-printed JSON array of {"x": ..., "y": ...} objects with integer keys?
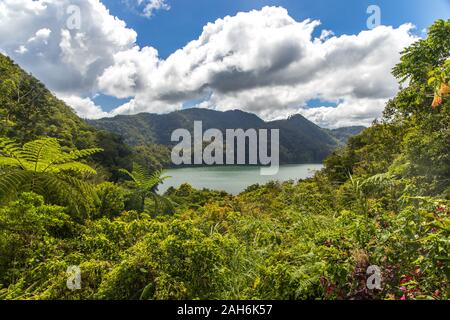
[
  {"x": 28, "y": 111},
  {"x": 301, "y": 141},
  {"x": 157, "y": 128},
  {"x": 344, "y": 133},
  {"x": 381, "y": 203}
]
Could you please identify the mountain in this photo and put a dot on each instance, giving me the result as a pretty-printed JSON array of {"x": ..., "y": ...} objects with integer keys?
[
  {"x": 301, "y": 141},
  {"x": 28, "y": 110},
  {"x": 343, "y": 134}
]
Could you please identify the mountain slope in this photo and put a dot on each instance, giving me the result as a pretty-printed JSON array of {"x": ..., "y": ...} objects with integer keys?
[
  {"x": 343, "y": 134},
  {"x": 28, "y": 110},
  {"x": 146, "y": 128},
  {"x": 301, "y": 141}
]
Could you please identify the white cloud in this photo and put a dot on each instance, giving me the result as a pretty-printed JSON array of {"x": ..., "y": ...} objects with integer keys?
[
  {"x": 262, "y": 61},
  {"x": 85, "y": 107},
  {"x": 147, "y": 8},
  {"x": 41, "y": 35},
  {"x": 21, "y": 50},
  {"x": 348, "y": 113},
  {"x": 267, "y": 63},
  {"x": 131, "y": 67},
  {"x": 132, "y": 107},
  {"x": 325, "y": 34},
  {"x": 67, "y": 61},
  {"x": 150, "y": 6}
]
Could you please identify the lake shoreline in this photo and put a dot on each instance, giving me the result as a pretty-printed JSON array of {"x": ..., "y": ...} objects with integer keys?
[
  {"x": 234, "y": 179},
  {"x": 235, "y": 165}
]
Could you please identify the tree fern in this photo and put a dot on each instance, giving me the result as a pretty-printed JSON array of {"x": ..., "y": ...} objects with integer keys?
[
  {"x": 146, "y": 185},
  {"x": 43, "y": 167}
]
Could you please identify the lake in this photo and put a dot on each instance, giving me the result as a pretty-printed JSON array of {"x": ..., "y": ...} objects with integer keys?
[{"x": 233, "y": 179}]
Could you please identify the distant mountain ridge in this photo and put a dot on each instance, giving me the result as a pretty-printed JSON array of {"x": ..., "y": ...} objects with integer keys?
[
  {"x": 344, "y": 133},
  {"x": 301, "y": 141},
  {"x": 30, "y": 111}
]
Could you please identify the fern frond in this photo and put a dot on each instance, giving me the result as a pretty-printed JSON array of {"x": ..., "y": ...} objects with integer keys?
[
  {"x": 74, "y": 155},
  {"x": 163, "y": 203},
  {"x": 128, "y": 174},
  {"x": 9, "y": 162},
  {"x": 41, "y": 166},
  {"x": 72, "y": 166},
  {"x": 140, "y": 174},
  {"x": 11, "y": 184},
  {"x": 146, "y": 184},
  {"x": 11, "y": 149},
  {"x": 154, "y": 180},
  {"x": 77, "y": 154},
  {"x": 41, "y": 152},
  {"x": 80, "y": 194}
]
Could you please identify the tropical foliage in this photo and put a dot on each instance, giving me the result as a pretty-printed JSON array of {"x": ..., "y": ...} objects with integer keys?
[
  {"x": 42, "y": 167},
  {"x": 382, "y": 200},
  {"x": 145, "y": 186}
]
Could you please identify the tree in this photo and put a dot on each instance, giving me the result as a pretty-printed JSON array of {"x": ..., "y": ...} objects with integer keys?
[
  {"x": 424, "y": 55},
  {"x": 146, "y": 185},
  {"x": 41, "y": 166},
  {"x": 111, "y": 200},
  {"x": 440, "y": 79}
]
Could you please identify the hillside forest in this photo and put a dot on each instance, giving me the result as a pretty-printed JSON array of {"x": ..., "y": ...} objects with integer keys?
[{"x": 74, "y": 194}]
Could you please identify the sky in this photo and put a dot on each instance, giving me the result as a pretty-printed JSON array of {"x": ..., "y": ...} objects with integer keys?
[{"x": 319, "y": 58}]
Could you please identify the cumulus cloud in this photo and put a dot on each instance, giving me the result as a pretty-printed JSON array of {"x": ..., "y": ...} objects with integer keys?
[
  {"x": 347, "y": 113},
  {"x": 127, "y": 76},
  {"x": 85, "y": 107},
  {"x": 68, "y": 60},
  {"x": 41, "y": 35},
  {"x": 262, "y": 61},
  {"x": 265, "y": 62}
]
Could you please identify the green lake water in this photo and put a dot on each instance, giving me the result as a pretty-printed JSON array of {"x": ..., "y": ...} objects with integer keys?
[{"x": 233, "y": 179}]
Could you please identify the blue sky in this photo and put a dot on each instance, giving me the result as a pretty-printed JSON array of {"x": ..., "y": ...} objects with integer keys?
[
  {"x": 169, "y": 30},
  {"x": 172, "y": 29},
  {"x": 264, "y": 57}
]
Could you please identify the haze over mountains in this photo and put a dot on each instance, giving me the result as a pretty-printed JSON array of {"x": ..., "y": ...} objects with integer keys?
[{"x": 301, "y": 141}]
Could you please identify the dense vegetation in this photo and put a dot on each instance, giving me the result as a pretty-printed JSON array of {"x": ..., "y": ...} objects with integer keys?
[
  {"x": 383, "y": 199},
  {"x": 301, "y": 141}
]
